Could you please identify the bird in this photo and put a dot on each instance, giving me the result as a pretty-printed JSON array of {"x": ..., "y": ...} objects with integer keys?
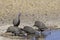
[
  {"x": 12, "y": 29},
  {"x": 15, "y": 31},
  {"x": 29, "y": 30},
  {"x": 40, "y": 25},
  {"x": 16, "y": 20}
]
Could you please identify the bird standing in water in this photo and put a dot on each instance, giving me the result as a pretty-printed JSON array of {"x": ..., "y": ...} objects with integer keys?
[{"x": 41, "y": 26}]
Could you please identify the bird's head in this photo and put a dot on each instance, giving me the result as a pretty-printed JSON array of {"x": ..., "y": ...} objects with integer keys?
[{"x": 37, "y": 23}]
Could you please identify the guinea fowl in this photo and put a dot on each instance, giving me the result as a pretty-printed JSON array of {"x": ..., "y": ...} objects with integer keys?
[
  {"x": 32, "y": 32},
  {"x": 41, "y": 26},
  {"x": 29, "y": 30},
  {"x": 15, "y": 30},
  {"x": 16, "y": 21}
]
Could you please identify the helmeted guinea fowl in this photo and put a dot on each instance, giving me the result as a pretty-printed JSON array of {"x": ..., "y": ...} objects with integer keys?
[
  {"x": 29, "y": 30},
  {"x": 15, "y": 30},
  {"x": 41, "y": 26},
  {"x": 16, "y": 21}
]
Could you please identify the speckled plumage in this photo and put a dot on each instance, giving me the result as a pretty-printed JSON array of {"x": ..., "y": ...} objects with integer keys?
[
  {"x": 15, "y": 30},
  {"x": 41, "y": 26},
  {"x": 29, "y": 30}
]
